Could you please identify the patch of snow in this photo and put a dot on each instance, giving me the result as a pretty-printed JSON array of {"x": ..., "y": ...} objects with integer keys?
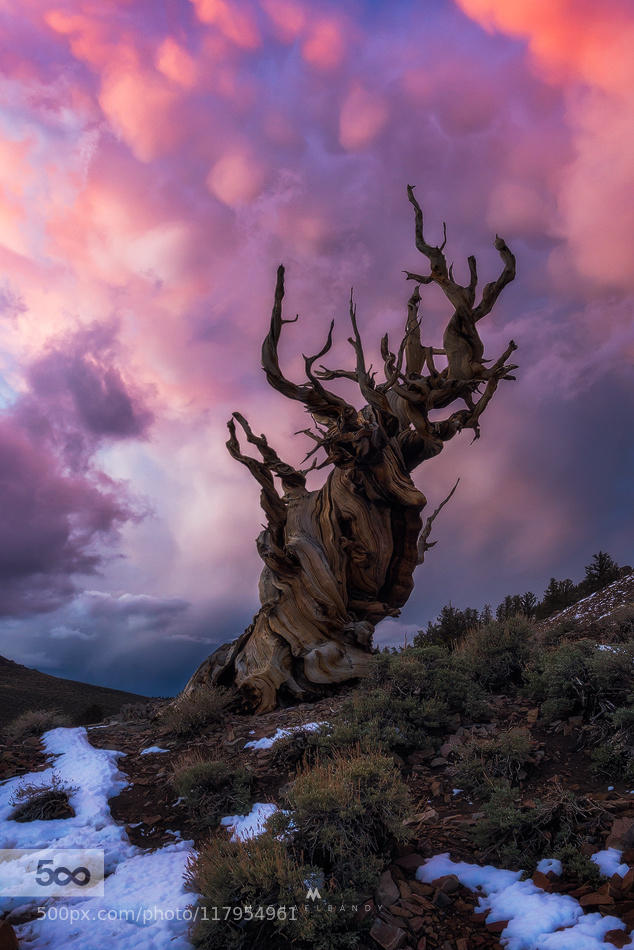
[
  {"x": 547, "y": 865},
  {"x": 268, "y": 741},
  {"x": 248, "y": 826},
  {"x": 152, "y": 749},
  {"x": 144, "y": 903},
  {"x": 609, "y": 862},
  {"x": 537, "y": 920},
  {"x": 456, "y": 791}
]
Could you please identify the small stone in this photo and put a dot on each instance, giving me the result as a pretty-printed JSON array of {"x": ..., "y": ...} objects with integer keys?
[
  {"x": 596, "y": 899},
  {"x": 410, "y": 862},
  {"x": 388, "y": 936},
  {"x": 387, "y": 893},
  {"x": 618, "y": 938},
  {"x": 622, "y": 834},
  {"x": 442, "y": 900},
  {"x": 448, "y": 883},
  {"x": 540, "y": 880},
  {"x": 438, "y": 762}
]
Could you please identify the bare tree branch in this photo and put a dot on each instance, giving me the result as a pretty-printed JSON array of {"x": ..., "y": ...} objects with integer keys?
[{"x": 423, "y": 544}]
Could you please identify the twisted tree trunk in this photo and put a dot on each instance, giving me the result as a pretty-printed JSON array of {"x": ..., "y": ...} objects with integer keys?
[{"x": 339, "y": 559}]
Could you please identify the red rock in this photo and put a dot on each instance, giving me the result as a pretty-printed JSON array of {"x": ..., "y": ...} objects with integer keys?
[
  {"x": 387, "y": 892},
  {"x": 596, "y": 899},
  {"x": 416, "y": 924},
  {"x": 8, "y": 939},
  {"x": 540, "y": 880},
  {"x": 622, "y": 834},
  {"x": 497, "y": 926},
  {"x": 422, "y": 944},
  {"x": 387, "y": 936},
  {"x": 448, "y": 884},
  {"x": 410, "y": 862},
  {"x": 618, "y": 938}
]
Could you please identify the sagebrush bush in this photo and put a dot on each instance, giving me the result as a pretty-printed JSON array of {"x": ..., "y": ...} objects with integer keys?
[
  {"x": 581, "y": 679},
  {"x": 408, "y": 698},
  {"x": 496, "y": 654},
  {"x": 34, "y": 722},
  {"x": 481, "y": 762},
  {"x": 212, "y": 788},
  {"x": 185, "y": 715},
  {"x": 47, "y": 801},
  {"x": 613, "y": 752},
  {"x": 253, "y": 894},
  {"x": 519, "y": 835},
  {"x": 345, "y": 815}
]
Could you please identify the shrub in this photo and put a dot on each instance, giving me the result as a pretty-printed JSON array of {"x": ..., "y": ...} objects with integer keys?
[
  {"x": 346, "y": 814},
  {"x": 212, "y": 789},
  {"x": 575, "y": 864},
  {"x": 43, "y": 802},
  {"x": 496, "y": 654},
  {"x": 34, "y": 722},
  {"x": 613, "y": 755},
  {"x": 482, "y": 762},
  {"x": 187, "y": 714},
  {"x": 260, "y": 887},
  {"x": 578, "y": 678},
  {"x": 134, "y": 712},
  {"x": 519, "y": 835},
  {"x": 91, "y": 714}
]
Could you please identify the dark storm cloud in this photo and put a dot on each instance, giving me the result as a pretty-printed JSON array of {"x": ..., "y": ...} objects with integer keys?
[{"x": 57, "y": 508}]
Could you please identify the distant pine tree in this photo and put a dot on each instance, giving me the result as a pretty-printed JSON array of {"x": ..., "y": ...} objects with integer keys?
[
  {"x": 601, "y": 571},
  {"x": 450, "y": 627}
]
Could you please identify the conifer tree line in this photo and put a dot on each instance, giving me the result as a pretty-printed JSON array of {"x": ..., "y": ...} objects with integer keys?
[{"x": 452, "y": 623}]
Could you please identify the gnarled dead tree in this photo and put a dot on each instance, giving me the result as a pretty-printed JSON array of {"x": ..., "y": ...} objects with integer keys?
[{"x": 339, "y": 559}]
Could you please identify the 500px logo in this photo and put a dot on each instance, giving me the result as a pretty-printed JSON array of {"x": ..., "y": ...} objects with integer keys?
[
  {"x": 61, "y": 876},
  {"x": 51, "y": 872}
]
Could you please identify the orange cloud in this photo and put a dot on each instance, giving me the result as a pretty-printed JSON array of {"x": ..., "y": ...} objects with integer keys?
[
  {"x": 325, "y": 44},
  {"x": 363, "y": 116},
  {"x": 138, "y": 103},
  {"x": 236, "y": 22},
  {"x": 175, "y": 62},
  {"x": 587, "y": 48}
]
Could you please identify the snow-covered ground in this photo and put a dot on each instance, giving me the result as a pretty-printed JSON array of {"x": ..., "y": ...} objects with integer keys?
[
  {"x": 534, "y": 916},
  {"x": 145, "y": 905},
  {"x": 268, "y": 741},
  {"x": 243, "y": 827}
]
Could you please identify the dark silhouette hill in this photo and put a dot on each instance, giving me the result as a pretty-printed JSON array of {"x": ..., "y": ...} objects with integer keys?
[{"x": 22, "y": 688}]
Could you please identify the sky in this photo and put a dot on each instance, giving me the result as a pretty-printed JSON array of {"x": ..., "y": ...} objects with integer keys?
[{"x": 158, "y": 160}]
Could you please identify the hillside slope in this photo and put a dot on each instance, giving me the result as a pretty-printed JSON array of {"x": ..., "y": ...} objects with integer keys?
[
  {"x": 22, "y": 688},
  {"x": 604, "y": 611}
]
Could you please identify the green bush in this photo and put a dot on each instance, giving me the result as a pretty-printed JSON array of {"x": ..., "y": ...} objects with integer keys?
[
  {"x": 613, "y": 754},
  {"x": 580, "y": 679},
  {"x": 186, "y": 715},
  {"x": 496, "y": 654},
  {"x": 212, "y": 789},
  {"x": 254, "y": 895},
  {"x": 345, "y": 815},
  {"x": 34, "y": 722},
  {"x": 519, "y": 835},
  {"x": 408, "y": 701},
  {"x": 482, "y": 762}
]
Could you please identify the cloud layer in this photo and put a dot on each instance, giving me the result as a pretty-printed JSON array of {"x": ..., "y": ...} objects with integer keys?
[{"x": 154, "y": 170}]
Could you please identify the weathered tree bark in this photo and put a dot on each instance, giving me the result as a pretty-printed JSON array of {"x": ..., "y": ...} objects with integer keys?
[{"x": 339, "y": 559}]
